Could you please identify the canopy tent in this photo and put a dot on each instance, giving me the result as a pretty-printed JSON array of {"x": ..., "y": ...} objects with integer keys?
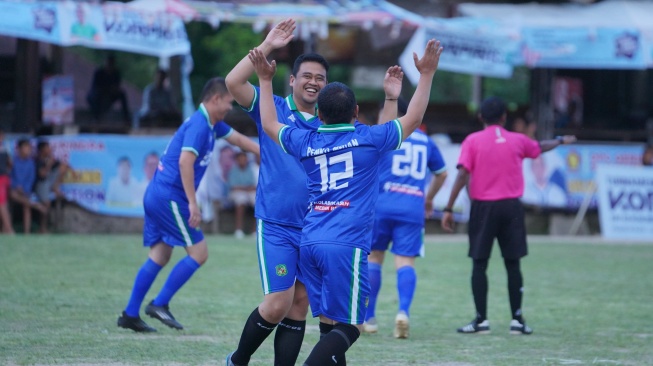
[{"x": 489, "y": 39}]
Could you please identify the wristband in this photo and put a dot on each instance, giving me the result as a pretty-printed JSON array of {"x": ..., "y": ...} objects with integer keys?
[
  {"x": 447, "y": 209},
  {"x": 391, "y": 98}
]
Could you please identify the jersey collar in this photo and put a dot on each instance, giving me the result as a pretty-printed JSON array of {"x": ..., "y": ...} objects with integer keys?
[
  {"x": 293, "y": 107},
  {"x": 339, "y": 127},
  {"x": 202, "y": 109}
]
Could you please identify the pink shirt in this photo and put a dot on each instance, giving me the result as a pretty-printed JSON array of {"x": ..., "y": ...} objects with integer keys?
[{"x": 493, "y": 157}]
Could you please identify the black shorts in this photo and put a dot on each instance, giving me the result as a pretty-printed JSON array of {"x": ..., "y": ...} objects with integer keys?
[{"x": 503, "y": 220}]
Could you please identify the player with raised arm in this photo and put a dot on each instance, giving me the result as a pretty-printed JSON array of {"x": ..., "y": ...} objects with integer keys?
[
  {"x": 172, "y": 217},
  {"x": 400, "y": 211},
  {"x": 281, "y": 199},
  {"x": 340, "y": 161}
]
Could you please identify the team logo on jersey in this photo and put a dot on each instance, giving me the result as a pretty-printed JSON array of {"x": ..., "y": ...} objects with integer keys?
[
  {"x": 281, "y": 270},
  {"x": 206, "y": 160}
]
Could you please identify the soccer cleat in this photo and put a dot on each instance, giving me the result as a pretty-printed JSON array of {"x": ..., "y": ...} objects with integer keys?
[
  {"x": 402, "y": 325},
  {"x": 163, "y": 314},
  {"x": 475, "y": 327},
  {"x": 228, "y": 361},
  {"x": 517, "y": 327},
  {"x": 134, "y": 323},
  {"x": 370, "y": 326}
]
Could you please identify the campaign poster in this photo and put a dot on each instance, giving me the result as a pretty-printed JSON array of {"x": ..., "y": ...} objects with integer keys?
[{"x": 58, "y": 98}]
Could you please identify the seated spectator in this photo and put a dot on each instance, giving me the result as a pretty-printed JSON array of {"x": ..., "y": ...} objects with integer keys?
[
  {"x": 106, "y": 90},
  {"x": 242, "y": 189},
  {"x": 5, "y": 167},
  {"x": 158, "y": 108},
  {"x": 23, "y": 176},
  {"x": 647, "y": 155},
  {"x": 49, "y": 175}
]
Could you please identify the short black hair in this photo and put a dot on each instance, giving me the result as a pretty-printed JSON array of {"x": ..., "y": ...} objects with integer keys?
[
  {"x": 22, "y": 142},
  {"x": 41, "y": 145},
  {"x": 492, "y": 110},
  {"x": 336, "y": 103},
  {"x": 309, "y": 57},
  {"x": 214, "y": 86}
]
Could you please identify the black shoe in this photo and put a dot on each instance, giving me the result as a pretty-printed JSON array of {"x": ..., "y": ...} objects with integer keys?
[
  {"x": 475, "y": 327},
  {"x": 163, "y": 314},
  {"x": 134, "y": 323}
]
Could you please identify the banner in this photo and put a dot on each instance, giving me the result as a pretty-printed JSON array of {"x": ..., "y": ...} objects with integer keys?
[
  {"x": 625, "y": 202},
  {"x": 466, "y": 50},
  {"x": 58, "y": 95},
  {"x": 109, "y": 173},
  {"x": 583, "y": 47},
  {"x": 106, "y": 26}
]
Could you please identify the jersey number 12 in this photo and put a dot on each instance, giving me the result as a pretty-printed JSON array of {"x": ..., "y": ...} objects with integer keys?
[{"x": 329, "y": 181}]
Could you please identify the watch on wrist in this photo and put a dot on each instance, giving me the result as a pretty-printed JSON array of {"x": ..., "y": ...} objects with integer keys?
[{"x": 447, "y": 209}]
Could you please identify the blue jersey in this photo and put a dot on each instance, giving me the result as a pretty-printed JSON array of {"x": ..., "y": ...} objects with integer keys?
[
  {"x": 281, "y": 193},
  {"x": 403, "y": 178},
  {"x": 196, "y": 135},
  {"x": 341, "y": 164}
]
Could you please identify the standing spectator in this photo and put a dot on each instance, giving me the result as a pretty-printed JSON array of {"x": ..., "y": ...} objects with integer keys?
[
  {"x": 172, "y": 216},
  {"x": 491, "y": 163},
  {"x": 242, "y": 189},
  {"x": 158, "y": 108},
  {"x": 5, "y": 168},
  {"x": 23, "y": 177},
  {"x": 400, "y": 211},
  {"x": 340, "y": 161},
  {"x": 106, "y": 90}
]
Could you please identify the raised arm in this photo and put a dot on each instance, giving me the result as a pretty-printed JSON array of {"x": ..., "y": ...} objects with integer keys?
[
  {"x": 547, "y": 145},
  {"x": 426, "y": 66},
  {"x": 244, "y": 142},
  {"x": 236, "y": 80},
  {"x": 392, "y": 89},
  {"x": 265, "y": 71}
]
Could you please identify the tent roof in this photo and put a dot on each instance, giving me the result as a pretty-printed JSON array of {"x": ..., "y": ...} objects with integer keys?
[{"x": 607, "y": 14}]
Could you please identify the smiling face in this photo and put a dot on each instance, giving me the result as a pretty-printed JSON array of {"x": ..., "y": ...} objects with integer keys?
[{"x": 306, "y": 85}]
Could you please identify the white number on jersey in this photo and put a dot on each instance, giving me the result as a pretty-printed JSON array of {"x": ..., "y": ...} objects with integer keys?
[
  {"x": 412, "y": 161},
  {"x": 330, "y": 180}
]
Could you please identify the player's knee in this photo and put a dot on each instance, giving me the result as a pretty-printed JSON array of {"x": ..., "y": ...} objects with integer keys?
[
  {"x": 275, "y": 306},
  {"x": 348, "y": 331}
]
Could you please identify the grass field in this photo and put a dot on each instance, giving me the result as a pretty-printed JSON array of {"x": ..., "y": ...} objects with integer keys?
[{"x": 60, "y": 296}]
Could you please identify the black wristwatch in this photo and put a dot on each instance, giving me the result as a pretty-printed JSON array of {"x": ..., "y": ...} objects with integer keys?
[{"x": 447, "y": 209}]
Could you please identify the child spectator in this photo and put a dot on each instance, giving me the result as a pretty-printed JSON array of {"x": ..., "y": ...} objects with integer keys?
[
  {"x": 23, "y": 176},
  {"x": 5, "y": 167}
]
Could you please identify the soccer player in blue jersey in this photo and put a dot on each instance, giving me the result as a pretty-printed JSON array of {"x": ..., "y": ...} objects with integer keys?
[
  {"x": 340, "y": 161},
  {"x": 400, "y": 211},
  {"x": 281, "y": 202},
  {"x": 172, "y": 216}
]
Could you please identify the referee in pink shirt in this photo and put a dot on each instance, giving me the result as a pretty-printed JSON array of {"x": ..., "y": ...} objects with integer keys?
[{"x": 490, "y": 164}]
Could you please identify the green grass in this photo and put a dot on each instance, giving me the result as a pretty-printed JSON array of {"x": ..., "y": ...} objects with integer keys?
[{"x": 60, "y": 296}]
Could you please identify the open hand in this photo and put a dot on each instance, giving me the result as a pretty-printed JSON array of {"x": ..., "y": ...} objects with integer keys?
[
  {"x": 264, "y": 69},
  {"x": 428, "y": 64},
  {"x": 392, "y": 82},
  {"x": 281, "y": 34}
]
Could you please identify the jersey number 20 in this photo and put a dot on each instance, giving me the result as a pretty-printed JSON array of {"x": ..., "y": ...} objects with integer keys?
[
  {"x": 329, "y": 181},
  {"x": 412, "y": 161}
]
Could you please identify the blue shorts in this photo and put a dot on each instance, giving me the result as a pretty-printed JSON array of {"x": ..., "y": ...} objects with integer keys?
[
  {"x": 407, "y": 237},
  {"x": 166, "y": 220},
  {"x": 278, "y": 255},
  {"x": 336, "y": 280}
]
